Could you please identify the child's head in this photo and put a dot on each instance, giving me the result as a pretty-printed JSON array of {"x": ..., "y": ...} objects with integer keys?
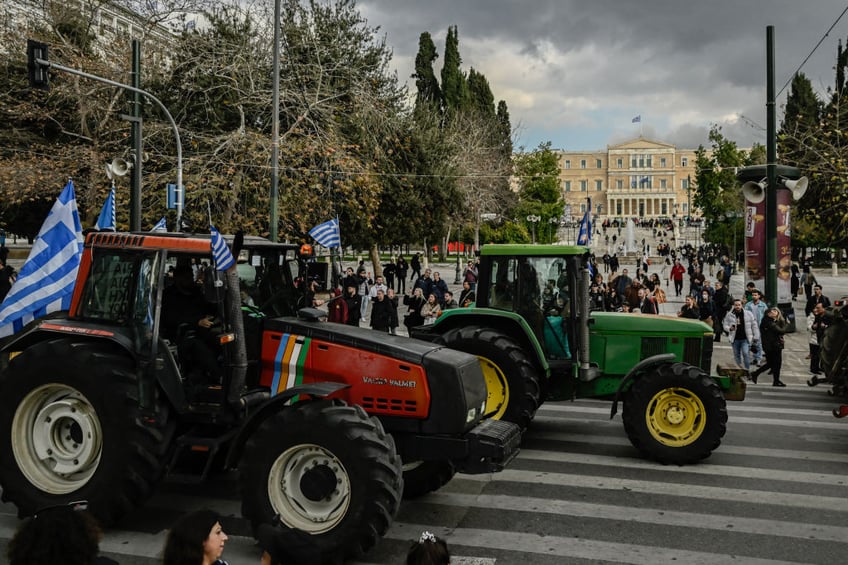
[{"x": 428, "y": 551}]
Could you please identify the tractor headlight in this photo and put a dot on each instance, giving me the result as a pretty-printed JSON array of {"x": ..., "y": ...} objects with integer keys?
[{"x": 471, "y": 415}]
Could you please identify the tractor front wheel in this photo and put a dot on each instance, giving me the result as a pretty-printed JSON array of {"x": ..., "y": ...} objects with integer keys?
[
  {"x": 514, "y": 384},
  {"x": 675, "y": 414},
  {"x": 423, "y": 477},
  {"x": 326, "y": 468},
  {"x": 73, "y": 430}
]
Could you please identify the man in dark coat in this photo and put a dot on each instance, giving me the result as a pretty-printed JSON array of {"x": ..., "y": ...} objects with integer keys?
[
  {"x": 354, "y": 303},
  {"x": 381, "y": 312}
]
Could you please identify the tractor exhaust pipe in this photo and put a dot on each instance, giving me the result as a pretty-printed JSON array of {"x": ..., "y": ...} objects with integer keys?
[{"x": 586, "y": 371}]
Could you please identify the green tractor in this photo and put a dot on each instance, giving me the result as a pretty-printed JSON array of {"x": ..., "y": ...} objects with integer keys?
[{"x": 536, "y": 338}]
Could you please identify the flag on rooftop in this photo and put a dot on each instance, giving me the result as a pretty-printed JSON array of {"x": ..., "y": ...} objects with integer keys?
[
  {"x": 327, "y": 234},
  {"x": 161, "y": 225},
  {"x": 106, "y": 220},
  {"x": 220, "y": 252},
  {"x": 46, "y": 281},
  {"x": 637, "y": 119}
]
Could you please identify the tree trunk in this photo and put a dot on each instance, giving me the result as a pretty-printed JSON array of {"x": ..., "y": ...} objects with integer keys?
[{"x": 374, "y": 253}]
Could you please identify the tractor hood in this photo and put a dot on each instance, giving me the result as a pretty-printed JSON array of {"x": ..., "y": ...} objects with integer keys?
[{"x": 646, "y": 324}]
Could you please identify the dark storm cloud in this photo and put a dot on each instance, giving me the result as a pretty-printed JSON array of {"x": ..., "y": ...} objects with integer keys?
[{"x": 576, "y": 71}]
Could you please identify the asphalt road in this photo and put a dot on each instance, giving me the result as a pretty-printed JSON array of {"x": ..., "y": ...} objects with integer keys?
[{"x": 774, "y": 492}]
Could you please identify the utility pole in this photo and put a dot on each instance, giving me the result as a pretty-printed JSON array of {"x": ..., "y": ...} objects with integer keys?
[
  {"x": 135, "y": 112},
  {"x": 771, "y": 173},
  {"x": 275, "y": 126}
]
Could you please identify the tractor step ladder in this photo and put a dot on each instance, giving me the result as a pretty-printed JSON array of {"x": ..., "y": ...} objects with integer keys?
[{"x": 202, "y": 445}]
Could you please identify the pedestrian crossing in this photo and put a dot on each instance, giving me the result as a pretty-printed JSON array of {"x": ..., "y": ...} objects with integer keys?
[{"x": 774, "y": 492}]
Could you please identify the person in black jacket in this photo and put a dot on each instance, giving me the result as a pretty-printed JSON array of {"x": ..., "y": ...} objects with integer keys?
[
  {"x": 354, "y": 303},
  {"x": 381, "y": 312},
  {"x": 772, "y": 329},
  {"x": 413, "y": 316}
]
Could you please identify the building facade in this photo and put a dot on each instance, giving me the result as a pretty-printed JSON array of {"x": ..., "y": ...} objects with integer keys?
[{"x": 638, "y": 178}]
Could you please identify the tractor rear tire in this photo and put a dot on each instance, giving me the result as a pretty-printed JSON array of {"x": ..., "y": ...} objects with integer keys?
[
  {"x": 326, "y": 468},
  {"x": 423, "y": 477},
  {"x": 514, "y": 383},
  {"x": 675, "y": 414},
  {"x": 73, "y": 430}
]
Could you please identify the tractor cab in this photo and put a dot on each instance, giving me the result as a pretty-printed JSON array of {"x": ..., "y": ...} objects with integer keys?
[
  {"x": 163, "y": 295},
  {"x": 541, "y": 290}
]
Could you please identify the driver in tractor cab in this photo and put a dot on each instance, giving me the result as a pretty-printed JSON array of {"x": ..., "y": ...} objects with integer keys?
[{"x": 187, "y": 320}]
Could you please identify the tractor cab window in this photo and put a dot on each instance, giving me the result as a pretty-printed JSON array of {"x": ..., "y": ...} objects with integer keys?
[
  {"x": 109, "y": 290},
  {"x": 538, "y": 289},
  {"x": 503, "y": 283}
]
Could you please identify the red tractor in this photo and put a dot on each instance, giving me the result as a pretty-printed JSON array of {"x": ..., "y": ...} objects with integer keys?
[{"x": 324, "y": 422}]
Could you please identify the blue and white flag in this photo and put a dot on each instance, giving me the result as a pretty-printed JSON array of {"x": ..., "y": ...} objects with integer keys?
[
  {"x": 327, "y": 234},
  {"x": 220, "y": 252},
  {"x": 106, "y": 220},
  {"x": 161, "y": 225},
  {"x": 46, "y": 281},
  {"x": 584, "y": 236},
  {"x": 637, "y": 119}
]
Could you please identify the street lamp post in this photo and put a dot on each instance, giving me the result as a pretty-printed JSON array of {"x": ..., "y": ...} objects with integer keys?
[
  {"x": 734, "y": 216},
  {"x": 554, "y": 224},
  {"x": 457, "y": 280},
  {"x": 533, "y": 219}
]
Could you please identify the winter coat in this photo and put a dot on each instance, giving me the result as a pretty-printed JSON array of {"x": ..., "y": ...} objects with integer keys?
[
  {"x": 772, "y": 332},
  {"x": 752, "y": 329},
  {"x": 381, "y": 314}
]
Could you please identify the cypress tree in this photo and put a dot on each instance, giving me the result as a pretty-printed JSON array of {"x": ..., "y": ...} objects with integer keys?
[
  {"x": 454, "y": 85},
  {"x": 429, "y": 93}
]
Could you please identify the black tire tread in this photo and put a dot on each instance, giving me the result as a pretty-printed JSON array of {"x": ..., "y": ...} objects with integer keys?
[
  {"x": 523, "y": 378},
  {"x": 115, "y": 489},
  {"x": 359, "y": 440},
  {"x": 685, "y": 376}
]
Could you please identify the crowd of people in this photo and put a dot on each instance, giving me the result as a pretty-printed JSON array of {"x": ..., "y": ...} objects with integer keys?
[{"x": 383, "y": 302}]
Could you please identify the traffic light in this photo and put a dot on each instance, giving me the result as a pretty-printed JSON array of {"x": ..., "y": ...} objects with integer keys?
[{"x": 38, "y": 73}]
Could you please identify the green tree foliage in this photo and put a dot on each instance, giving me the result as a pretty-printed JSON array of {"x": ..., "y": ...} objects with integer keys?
[
  {"x": 716, "y": 192},
  {"x": 539, "y": 192},
  {"x": 429, "y": 94},
  {"x": 813, "y": 138},
  {"x": 350, "y": 143},
  {"x": 454, "y": 82}
]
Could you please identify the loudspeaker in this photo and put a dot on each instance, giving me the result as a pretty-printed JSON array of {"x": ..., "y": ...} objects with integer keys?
[
  {"x": 755, "y": 192},
  {"x": 798, "y": 187}
]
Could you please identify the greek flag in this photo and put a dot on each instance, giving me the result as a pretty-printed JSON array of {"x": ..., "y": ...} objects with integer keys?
[
  {"x": 327, "y": 234},
  {"x": 637, "y": 119},
  {"x": 46, "y": 281},
  {"x": 220, "y": 252},
  {"x": 584, "y": 236},
  {"x": 160, "y": 225},
  {"x": 106, "y": 220}
]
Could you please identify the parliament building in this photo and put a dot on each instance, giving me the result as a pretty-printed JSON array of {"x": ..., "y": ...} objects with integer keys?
[{"x": 638, "y": 178}]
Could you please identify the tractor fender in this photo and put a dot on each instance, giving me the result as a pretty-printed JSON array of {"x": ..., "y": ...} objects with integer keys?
[
  {"x": 275, "y": 404},
  {"x": 637, "y": 370},
  {"x": 51, "y": 328}
]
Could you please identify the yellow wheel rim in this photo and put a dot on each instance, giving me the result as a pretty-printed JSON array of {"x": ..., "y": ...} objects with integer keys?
[
  {"x": 497, "y": 397},
  {"x": 676, "y": 417}
]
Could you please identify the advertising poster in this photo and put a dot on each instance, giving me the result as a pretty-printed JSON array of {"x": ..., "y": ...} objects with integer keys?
[
  {"x": 784, "y": 247},
  {"x": 755, "y": 243}
]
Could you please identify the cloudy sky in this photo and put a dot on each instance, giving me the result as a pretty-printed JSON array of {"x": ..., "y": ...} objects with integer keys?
[{"x": 575, "y": 72}]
